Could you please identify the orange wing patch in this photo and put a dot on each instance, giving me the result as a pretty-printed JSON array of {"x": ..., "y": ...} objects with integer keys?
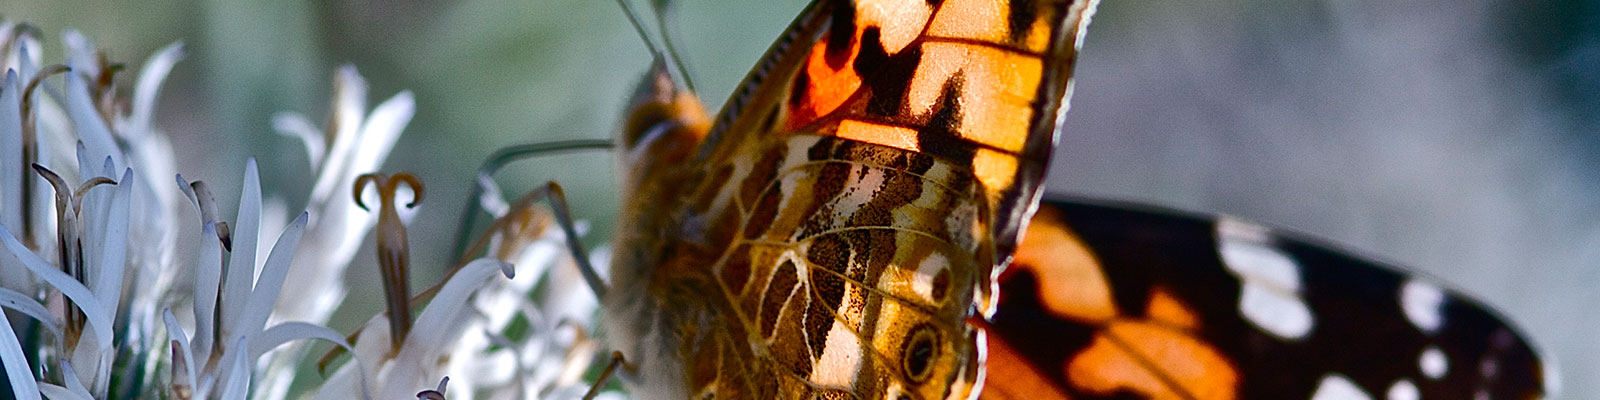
[
  {"x": 971, "y": 75},
  {"x": 1157, "y": 354},
  {"x": 1159, "y": 357}
]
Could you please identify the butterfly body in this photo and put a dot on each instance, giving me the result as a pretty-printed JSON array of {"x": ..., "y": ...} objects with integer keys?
[{"x": 831, "y": 233}]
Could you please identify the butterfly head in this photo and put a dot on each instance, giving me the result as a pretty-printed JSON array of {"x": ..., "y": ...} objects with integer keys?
[{"x": 664, "y": 122}]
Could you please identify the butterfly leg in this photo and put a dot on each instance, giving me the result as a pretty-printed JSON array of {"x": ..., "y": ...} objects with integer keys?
[
  {"x": 605, "y": 375},
  {"x": 551, "y": 192},
  {"x": 500, "y": 159}
]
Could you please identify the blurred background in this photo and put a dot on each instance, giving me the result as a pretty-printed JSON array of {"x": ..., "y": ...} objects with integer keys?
[{"x": 1460, "y": 138}]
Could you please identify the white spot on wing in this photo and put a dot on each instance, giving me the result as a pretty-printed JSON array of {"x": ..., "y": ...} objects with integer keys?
[
  {"x": 1433, "y": 363},
  {"x": 1269, "y": 296},
  {"x": 1337, "y": 387},
  {"x": 922, "y": 281},
  {"x": 841, "y": 359},
  {"x": 1421, "y": 302},
  {"x": 1404, "y": 390}
]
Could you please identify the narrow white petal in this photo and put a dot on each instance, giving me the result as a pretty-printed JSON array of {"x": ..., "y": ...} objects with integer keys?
[
  {"x": 16, "y": 365},
  {"x": 80, "y": 52},
  {"x": 267, "y": 289},
  {"x": 54, "y": 392},
  {"x": 380, "y": 132},
  {"x": 287, "y": 332},
  {"x": 107, "y": 285},
  {"x": 10, "y": 149},
  {"x": 28, "y": 58},
  {"x": 92, "y": 130},
  {"x": 350, "y": 105},
  {"x": 80, "y": 295},
  {"x": 241, "y": 266},
  {"x": 236, "y": 375},
  {"x": 75, "y": 385},
  {"x": 175, "y": 333},
  {"x": 437, "y": 323},
  {"x": 207, "y": 277},
  {"x": 26, "y": 305},
  {"x": 145, "y": 91},
  {"x": 296, "y": 125},
  {"x": 188, "y": 191}
]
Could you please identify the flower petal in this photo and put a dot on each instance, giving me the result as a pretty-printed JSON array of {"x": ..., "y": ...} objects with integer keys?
[
  {"x": 70, "y": 377},
  {"x": 437, "y": 322},
  {"x": 380, "y": 132},
  {"x": 287, "y": 332},
  {"x": 241, "y": 266},
  {"x": 155, "y": 71},
  {"x": 80, "y": 52},
  {"x": 92, "y": 130},
  {"x": 236, "y": 374},
  {"x": 207, "y": 277},
  {"x": 175, "y": 332},
  {"x": 54, "y": 392},
  {"x": 350, "y": 105},
  {"x": 28, "y": 306},
  {"x": 80, "y": 295},
  {"x": 113, "y": 245},
  {"x": 16, "y": 365},
  {"x": 270, "y": 284},
  {"x": 297, "y": 126},
  {"x": 11, "y": 150}
]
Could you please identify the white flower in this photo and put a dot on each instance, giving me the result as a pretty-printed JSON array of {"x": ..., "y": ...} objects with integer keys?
[{"x": 168, "y": 299}]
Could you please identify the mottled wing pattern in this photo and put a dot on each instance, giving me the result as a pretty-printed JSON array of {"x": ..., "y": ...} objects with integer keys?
[
  {"x": 853, "y": 197},
  {"x": 978, "y": 83},
  {"x": 1108, "y": 302}
]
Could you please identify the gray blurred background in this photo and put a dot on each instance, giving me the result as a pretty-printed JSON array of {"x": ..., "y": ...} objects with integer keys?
[{"x": 1460, "y": 138}]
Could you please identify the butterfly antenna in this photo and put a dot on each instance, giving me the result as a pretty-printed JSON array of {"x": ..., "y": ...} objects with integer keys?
[
  {"x": 664, "y": 51},
  {"x": 661, "y": 8}
]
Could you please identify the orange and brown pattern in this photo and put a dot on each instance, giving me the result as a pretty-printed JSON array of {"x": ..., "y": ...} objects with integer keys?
[
  {"x": 1116, "y": 302},
  {"x": 840, "y": 221}
]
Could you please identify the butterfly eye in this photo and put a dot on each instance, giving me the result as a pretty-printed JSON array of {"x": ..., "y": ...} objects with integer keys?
[{"x": 917, "y": 356}]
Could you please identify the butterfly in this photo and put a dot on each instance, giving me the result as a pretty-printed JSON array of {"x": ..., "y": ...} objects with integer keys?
[
  {"x": 840, "y": 228},
  {"x": 1118, "y": 301},
  {"x": 831, "y": 231}
]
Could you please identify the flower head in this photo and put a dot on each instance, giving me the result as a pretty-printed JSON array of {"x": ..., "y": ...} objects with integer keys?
[{"x": 127, "y": 281}]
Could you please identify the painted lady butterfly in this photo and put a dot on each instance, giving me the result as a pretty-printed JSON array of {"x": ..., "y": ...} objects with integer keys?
[
  {"x": 837, "y": 230},
  {"x": 829, "y": 234}
]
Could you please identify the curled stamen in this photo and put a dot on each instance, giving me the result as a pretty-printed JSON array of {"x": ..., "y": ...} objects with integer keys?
[
  {"x": 28, "y": 119},
  {"x": 69, "y": 243},
  {"x": 30, "y": 140},
  {"x": 434, "y": 394},
  {"x": 393, "y": 247}
]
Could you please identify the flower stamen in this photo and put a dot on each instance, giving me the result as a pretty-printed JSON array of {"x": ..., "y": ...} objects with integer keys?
[
  {"x": 30, "y": 143},
  {"x": 69, "y": 240},
  {"x": 393, "y": 247}
]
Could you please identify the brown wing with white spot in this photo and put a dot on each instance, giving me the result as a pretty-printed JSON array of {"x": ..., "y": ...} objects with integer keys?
[
  {"x": 853, "y": 269},
  {"x": 1116, "y": 302}
]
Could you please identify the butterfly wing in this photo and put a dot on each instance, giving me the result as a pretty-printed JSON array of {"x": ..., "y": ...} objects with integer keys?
[
  {"x": 1104, "y": 301},
  {"x": 980, "y": 83},
  {"x": 848, "y": 204}
]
